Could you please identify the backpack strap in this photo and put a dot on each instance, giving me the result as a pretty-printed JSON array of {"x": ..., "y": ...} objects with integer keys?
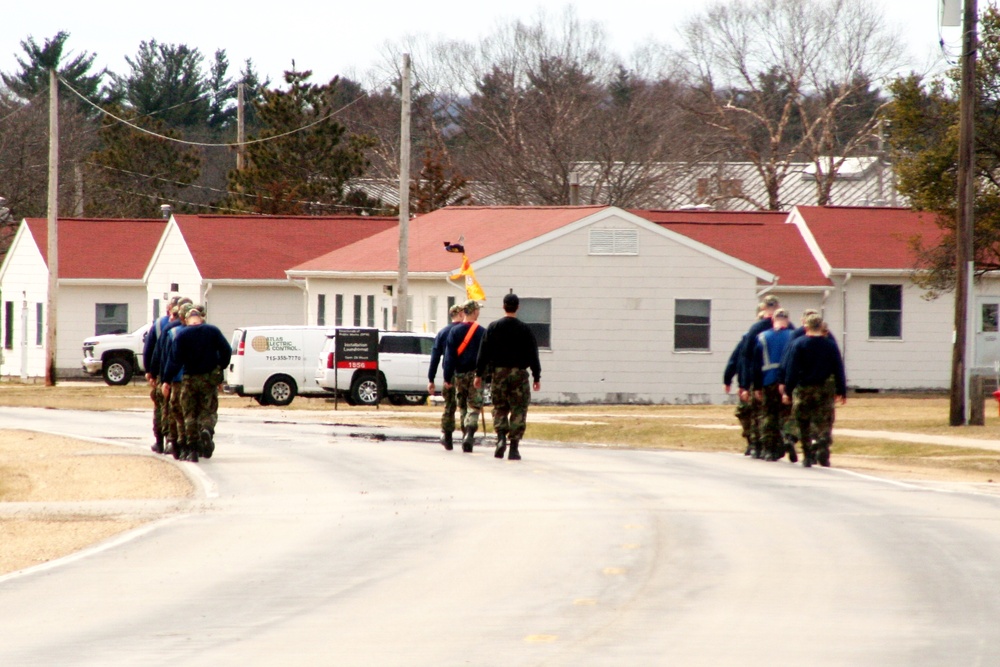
[{"x": 468, "y": 337}]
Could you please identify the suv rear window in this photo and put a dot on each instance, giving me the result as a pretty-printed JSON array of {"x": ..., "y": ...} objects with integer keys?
[{"x": 401, "y": 345}]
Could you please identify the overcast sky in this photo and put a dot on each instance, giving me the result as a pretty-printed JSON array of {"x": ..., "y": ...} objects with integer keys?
[{"x": 348, "y": 38}]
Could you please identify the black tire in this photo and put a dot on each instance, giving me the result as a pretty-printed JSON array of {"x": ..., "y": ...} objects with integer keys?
[
  {"x": 365, "y": 389},
  {"x": 279, "y": 390},
  {"x": 412, "y": 399},
  {"x": 117, "y": 370}
]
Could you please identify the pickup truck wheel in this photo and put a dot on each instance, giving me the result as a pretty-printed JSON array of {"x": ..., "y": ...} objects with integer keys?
[
  {"x": 279, "y": 390},
  {"x": 365, "y": 390},
  {"x": 412, "y": 399},
  {"x": 117, "y": 371}
]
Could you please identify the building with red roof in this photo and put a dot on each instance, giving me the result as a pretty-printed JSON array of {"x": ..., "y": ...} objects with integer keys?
[
  {"x": 101, "y": 287},
  {"x": 235, "y": 265},
  {"x": 625, "y": 310}
]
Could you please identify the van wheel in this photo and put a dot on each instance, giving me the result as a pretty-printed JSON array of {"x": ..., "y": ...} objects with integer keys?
[
  {"x": 279, "y": 390},
  {"x": 117, "y": 371},
  {"x": 365, "y": 390}
]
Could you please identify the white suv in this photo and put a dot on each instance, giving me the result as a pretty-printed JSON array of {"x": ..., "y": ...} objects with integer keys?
[
  {"x": 403, "y": 361},
  {"x": 115, "y": 356}
]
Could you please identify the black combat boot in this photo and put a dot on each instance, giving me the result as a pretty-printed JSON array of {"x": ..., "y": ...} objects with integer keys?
[
  {"x": 467, "y": 441},
  {"x": 207, "y": 444},
  {"x": 501, "y": 445},
  {"x": 792, "y": 456},
  {"x": 158, "y": 445},
  {"x": 178, "y": 450},
  {"x": 823, "y": 456},
  {"x": 514, "y": 454},
  {"x": 808, "y": 456},
  {"x": 446, "y": 440}
]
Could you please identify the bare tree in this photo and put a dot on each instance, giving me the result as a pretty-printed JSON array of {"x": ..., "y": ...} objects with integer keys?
[{"x": 775, "y": 78}]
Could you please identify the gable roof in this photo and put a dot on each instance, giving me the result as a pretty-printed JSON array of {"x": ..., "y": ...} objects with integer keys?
[
  {"x": 487, "y": 231},
  {"x": 226, "y": 247},
  {"x": 758, "y": 238},
  {"x": 98, "y": 248},
  {"x": 858, "y": 238}
]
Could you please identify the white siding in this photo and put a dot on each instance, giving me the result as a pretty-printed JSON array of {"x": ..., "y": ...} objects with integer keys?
[
  {"x": 77, "y": 319},
  {"x": 230, "y": 307},
  {"x": 25, "y": 280},
  {"x": 172, "y": 264}
]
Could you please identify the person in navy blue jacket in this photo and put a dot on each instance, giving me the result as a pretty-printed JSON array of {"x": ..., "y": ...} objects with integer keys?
[
  {"x": 460, "y": 354},
  {"x": 447, "y": 393}
]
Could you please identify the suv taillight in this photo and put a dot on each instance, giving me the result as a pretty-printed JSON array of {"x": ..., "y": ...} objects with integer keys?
[{"x": 329, "y": 360}]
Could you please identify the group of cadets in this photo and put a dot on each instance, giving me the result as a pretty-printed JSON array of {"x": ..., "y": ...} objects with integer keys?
[
  {"x": 789, "y": 382},
  {"x": 184, "y": 359},
  {"x": 504, "y": 353}
]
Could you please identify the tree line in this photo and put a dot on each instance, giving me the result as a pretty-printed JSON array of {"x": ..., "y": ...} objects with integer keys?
[{"x": 506, "y": 119}]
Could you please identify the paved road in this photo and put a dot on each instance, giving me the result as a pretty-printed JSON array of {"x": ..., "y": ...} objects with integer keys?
[{"x": 316, "y": 547}]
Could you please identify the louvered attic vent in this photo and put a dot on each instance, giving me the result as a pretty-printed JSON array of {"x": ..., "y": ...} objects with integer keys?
[{"x": 614, "y": 242}]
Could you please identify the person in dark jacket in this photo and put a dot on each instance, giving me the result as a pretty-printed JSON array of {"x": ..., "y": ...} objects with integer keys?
[
  {"x": 201, "y": 351},
  {"x": 460, "y": 353},
  {"x": 447, "y": 393},
  {"x": 776, "y": 428},
  {"x": 814, "y": 382},
  {"x": 763, "y": 323},
  {"x": 508, "y": 351},
  {"x": 743, "y": 411},
  {"x": 148, "y": 346}
]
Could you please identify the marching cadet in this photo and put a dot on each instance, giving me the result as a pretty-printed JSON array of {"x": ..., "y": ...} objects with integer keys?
[
  {"x": 460, "y": 354},
  {"x": 814, "y": 382},
  {"x": 509, "y": 348},
  {"x": 447, "y": 393},
  {"x": 169, "y": 422},
  {"x": 744, "y": 411},
  {"x": 201, "y": 351},
  {"x": 769, "y": 305},
  {"x": 770, "y": 349},
  {"x": 148, "y": 347}
]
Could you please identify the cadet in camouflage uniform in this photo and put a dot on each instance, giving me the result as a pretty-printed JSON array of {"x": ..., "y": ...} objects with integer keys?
[
  {"x": 460, "y": 353},
  {"x": 743, "y": 408},
  {"x": 447, "y": 393},
  {"x": 173, "y": 417},
  {"x": 747, "y": 395},
  {"x": 202, "y": 352},
  {"x": 509, "y": 348},
  {"x": 814, "y": 381},
  {"x": 776, "y": 430},
  {"x": 152, "y": 354}
]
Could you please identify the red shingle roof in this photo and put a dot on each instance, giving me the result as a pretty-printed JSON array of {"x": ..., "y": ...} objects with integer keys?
[
  {"x": 758, "y": 238},
  {"x": 870, "y": 238},
  {"x": 99, "y": 248},
  {"x": 264, "y": 247},
  {"x": 487, "y": 230}
]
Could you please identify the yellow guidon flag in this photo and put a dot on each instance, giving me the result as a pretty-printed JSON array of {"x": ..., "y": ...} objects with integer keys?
[{"x": 473, "y": 290}]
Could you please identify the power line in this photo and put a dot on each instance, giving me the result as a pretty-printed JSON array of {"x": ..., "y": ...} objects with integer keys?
[
  {"x": 204, "y": 144},
  {"x": 221, "y": 191}
]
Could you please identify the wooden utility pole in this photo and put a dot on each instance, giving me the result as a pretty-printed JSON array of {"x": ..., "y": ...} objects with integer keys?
[
  {"x": 403, "y": 288},
  {"x": 52, "y": 249},
  {"x": 241, "y": 136},
  {"x": 966, "y": 198}
]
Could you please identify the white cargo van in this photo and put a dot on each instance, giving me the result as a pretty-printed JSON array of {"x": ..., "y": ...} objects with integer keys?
[{"x": 274, "y": 364}]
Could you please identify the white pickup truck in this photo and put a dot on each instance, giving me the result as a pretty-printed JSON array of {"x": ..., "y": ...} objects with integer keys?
[{"x": 115, "y": 356}]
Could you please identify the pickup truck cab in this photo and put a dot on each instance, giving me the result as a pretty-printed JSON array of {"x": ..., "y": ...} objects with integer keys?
[
  {"x": 404, "y": 358},
  {"x": 115, "y": 356}
]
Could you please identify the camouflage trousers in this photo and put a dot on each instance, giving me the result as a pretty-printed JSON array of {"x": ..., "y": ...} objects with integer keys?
[
  {"x": 159, "y": 410},
  {"x": 468, "y": 398},
  {"x": 777, "y": 426},
  {"x": 448, "y": 416},
  {"x": 173, "y": 416},
  {"x": 199, "y": 404},
  {"x": 744, "y": 413},
  {"x": 813, "y": 409},
  {"x": 511, "y": 397}
]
